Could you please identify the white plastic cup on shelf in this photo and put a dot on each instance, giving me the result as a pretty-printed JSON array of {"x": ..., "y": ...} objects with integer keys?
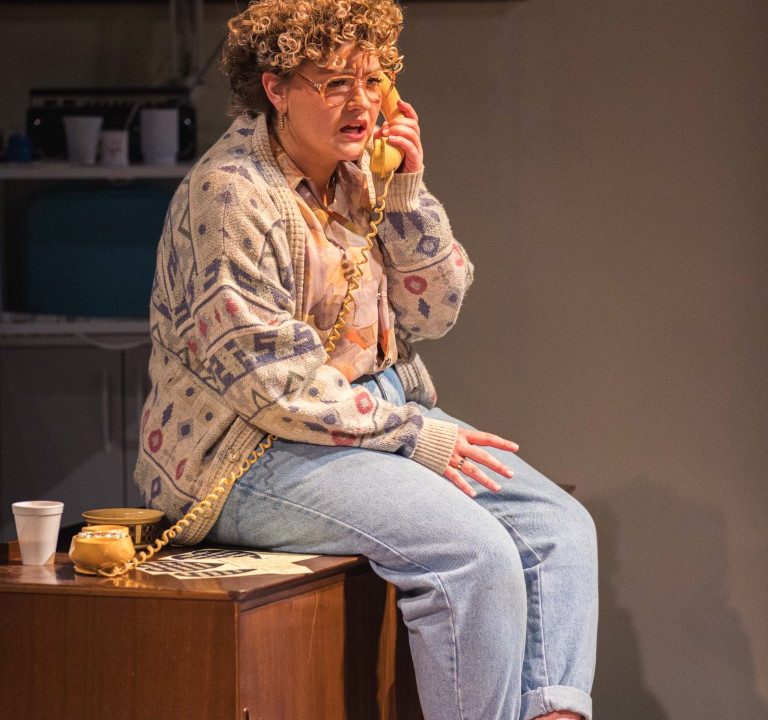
[
  {"x": 82, "y": 133},
  {"x": 159, "y": 129},
  {"x": 37, "y": 529},
  {"x": 114, "y": 148}
]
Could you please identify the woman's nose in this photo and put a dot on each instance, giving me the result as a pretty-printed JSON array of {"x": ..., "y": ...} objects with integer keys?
[{"x": 359, "y": 96}]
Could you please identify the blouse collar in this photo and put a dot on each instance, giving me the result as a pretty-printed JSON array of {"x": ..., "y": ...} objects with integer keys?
[{"x": 347, "y": 172}]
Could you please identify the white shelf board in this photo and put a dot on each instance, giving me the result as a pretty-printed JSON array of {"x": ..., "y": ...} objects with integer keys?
[
  {"x": 43, "y": 325},
  {"x": 43, "y": 170}
]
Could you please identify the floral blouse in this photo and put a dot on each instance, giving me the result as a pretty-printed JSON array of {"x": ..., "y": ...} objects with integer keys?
[{"x": 336, "y": 235}]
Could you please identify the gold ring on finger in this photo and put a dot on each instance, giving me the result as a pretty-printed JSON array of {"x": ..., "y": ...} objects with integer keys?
[{"x": 460, "y": 463}]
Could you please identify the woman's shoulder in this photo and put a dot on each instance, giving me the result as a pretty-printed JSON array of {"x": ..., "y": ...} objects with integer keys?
[{"x": 239, "y": 158}]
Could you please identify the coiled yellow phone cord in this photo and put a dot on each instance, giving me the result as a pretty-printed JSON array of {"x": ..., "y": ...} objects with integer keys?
[{"x": 352, "y": 275}]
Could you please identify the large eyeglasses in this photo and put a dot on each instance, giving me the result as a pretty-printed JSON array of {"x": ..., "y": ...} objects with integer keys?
[{"x": 337, "y": 90}]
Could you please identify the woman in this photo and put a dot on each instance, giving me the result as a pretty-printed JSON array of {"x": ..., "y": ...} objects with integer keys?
[{"x": 496, "y": 573}]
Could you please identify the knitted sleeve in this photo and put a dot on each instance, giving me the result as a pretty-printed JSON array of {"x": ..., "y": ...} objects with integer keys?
[
  {"x": 270, "y": 367},
  {"x": 428, "y": 271}
]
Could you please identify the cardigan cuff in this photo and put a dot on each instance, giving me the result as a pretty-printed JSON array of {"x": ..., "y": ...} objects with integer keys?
[
  {"x": 403, "y": 193},
  {"x": 435, "y": 443}
]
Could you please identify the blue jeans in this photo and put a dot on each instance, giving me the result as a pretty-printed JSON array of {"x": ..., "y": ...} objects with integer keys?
[{"x": 499, "y": 592}]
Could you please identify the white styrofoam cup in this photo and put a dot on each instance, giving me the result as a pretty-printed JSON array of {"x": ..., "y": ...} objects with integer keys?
[
  {"x": 159, "y": 135},
  {"x": 37, "y": 529},
  {"x": 82, "y": 133}
]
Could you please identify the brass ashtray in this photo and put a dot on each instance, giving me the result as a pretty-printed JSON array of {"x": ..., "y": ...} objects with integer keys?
[{"x": 142, "y": 523}]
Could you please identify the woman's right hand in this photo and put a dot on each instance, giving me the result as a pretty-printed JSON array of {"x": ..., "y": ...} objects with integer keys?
[{"x": 467, "y": 455}]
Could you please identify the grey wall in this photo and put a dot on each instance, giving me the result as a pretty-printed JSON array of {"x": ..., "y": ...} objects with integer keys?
[{"x": 604, "y": 163}]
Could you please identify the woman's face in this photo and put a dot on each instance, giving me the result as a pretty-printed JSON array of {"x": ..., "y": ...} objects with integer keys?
[{"x": 316, "y": 133}]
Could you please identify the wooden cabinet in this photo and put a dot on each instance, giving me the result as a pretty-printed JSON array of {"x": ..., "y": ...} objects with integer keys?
[{"x": 330, "y": 645}]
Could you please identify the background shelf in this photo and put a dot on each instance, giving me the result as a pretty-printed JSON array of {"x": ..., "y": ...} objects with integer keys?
[{"x": 42, "y": 170}]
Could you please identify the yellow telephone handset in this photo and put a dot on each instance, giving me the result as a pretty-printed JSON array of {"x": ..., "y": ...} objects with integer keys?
[{"x": 385, "y": 158}]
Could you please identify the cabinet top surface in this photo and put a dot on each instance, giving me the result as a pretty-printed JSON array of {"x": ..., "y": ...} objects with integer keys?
[{"x": 61, "y": 578}]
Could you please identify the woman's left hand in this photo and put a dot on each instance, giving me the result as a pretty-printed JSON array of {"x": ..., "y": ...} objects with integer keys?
[
  {"x": 403, "y": 133},
  {"x": 467, "y": 458}
]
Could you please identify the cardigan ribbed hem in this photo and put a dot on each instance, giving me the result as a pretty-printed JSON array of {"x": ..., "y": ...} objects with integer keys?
[
  {"x": 435, "y": 444},
  {"x": 403, "y": 193}
]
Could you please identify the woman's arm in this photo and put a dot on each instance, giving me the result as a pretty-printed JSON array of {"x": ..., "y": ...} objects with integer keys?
[
  {"x": 428, "y": 271},
  {"x": 268, "y": 366}
]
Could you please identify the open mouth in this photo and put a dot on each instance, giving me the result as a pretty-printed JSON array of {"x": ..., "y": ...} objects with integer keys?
[{"x": 354, "y": 130}]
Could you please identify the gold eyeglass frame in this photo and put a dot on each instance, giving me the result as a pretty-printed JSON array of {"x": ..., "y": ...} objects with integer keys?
[{"x": 321, "y": 87}]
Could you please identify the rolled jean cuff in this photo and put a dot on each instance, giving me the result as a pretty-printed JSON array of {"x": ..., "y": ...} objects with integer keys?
[{"x": 545, "y": 700}]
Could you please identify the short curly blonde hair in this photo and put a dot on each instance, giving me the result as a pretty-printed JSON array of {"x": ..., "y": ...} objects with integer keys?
[{"x": 277, "y": 35}]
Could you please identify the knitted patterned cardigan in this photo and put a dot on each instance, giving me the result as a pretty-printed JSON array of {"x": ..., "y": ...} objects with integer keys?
[{"x": 231, "y": 359}]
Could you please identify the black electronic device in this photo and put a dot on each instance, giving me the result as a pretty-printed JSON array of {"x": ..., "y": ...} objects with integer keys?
[{"x": 118, "y": 106}]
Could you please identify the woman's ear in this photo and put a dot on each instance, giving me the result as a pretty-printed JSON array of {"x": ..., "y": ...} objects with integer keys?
[{"x": 275, "y": 88}]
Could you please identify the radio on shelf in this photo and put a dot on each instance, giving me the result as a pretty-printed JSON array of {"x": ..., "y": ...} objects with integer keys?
[{"x": 118, "y": 106}]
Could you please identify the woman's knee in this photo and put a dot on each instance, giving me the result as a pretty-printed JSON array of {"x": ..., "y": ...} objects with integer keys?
[
  {"x": 455, "y": 534},
  {"x": 578, "y": 529},
  {"x": 486, "y": 550},
  {"x": 500, "y": 569}
]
